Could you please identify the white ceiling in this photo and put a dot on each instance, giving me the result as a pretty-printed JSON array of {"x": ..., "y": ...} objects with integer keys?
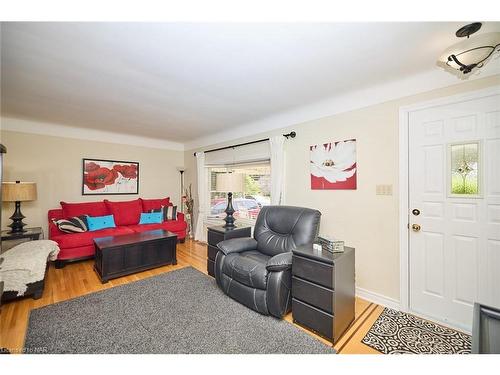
[{"x": 185, "y": 81}]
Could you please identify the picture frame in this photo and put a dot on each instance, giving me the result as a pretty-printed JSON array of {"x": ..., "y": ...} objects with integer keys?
[
  {"x": 333, "y": 165},
  {"x": 109, "y": 177}
]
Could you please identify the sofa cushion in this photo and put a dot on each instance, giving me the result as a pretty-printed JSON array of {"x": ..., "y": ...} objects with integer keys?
[
  {"x": 172, "y": 226},
  {"x": 154, "y": 204},
  {"x": 248, "y": 267},
  {"x": 86, "y": 238},
  {"x": 125, "y": 213},
  {"x": 87, "y": 208}
]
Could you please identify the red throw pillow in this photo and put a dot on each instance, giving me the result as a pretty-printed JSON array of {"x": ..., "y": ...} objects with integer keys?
[
  {"x": 125, "y": 213},
  {"x": 154, "y": 204},
  {"x": 87, "y": 208}
]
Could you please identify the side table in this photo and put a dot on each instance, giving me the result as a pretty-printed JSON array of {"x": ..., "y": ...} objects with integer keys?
[
  {"x": 323, "y": 291},
  {"x": 31, "y": 234}
]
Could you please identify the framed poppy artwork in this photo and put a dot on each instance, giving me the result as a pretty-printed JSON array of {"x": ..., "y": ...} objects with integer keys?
[
  {"x": 333, "y": 166},
  {"x": 110, "y": 177}
]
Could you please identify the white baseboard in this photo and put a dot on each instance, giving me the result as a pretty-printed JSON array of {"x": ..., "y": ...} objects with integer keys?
[{"x": 379, "y": 299}]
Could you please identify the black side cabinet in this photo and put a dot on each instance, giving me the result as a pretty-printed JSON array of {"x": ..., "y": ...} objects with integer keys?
[
  {"x": 13, "y": 239},
  {"x": 217, "y": 234},
  {"x": 323, "y": 291}
]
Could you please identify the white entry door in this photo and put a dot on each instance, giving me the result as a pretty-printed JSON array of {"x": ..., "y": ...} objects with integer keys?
[{"x": 454, "y": 204}]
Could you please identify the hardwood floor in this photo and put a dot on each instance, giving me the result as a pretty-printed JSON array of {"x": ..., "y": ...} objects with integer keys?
[{"x": 79, "y": 278}]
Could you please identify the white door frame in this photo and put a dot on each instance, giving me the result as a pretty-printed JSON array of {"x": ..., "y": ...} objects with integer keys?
[{"x": 404, "y": 233}]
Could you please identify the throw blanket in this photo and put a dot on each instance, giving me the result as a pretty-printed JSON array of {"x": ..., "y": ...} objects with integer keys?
[{"x": 26, "y": 263}]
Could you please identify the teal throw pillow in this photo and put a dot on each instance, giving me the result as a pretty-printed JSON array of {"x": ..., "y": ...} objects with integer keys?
[
  {"x": 151, "y": 218},
  {"x": 100, "y": 222}
]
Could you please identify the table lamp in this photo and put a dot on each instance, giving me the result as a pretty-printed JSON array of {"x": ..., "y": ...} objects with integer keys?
[
  {"x": 18, "y": 192},
  {"x": 229, "y": 183}
]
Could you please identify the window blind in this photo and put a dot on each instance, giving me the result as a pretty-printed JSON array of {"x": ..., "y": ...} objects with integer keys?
[{"x": 256, "y": 152}]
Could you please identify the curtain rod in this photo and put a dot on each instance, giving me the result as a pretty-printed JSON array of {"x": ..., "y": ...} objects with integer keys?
[{"x": 291, "y": 135}]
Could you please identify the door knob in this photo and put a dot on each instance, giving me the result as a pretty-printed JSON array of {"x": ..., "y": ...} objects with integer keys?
[{"x": 415, "y": 227}]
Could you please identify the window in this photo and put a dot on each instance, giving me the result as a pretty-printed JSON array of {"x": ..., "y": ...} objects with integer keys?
[
  {"x": 464, "y": 169},
  {"x": 247, "y": 203}
]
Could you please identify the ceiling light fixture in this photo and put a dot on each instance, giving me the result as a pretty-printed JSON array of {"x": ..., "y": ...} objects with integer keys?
[{"x": 472, "y": 53}]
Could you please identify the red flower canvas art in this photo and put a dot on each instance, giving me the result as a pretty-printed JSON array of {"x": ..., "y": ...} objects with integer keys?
[
  {"x": 110, "y": 177},
  {"x": 333, "y": 166},
  {"x": 127, "y": 171}
]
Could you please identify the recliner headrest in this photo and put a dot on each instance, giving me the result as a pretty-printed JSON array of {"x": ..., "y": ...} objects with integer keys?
[{"x": 283, "y": 228}]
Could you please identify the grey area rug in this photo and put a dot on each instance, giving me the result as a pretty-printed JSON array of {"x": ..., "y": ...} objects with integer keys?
[
  {"x": 395, "y": 332},
  {"x": 181, "y": 311}
]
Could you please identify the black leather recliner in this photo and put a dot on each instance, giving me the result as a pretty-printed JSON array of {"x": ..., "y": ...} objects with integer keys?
[{"x": 257, "y": 272}]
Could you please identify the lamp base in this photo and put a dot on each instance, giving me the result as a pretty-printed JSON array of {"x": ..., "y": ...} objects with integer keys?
[
  {"x": 229, "y": 219},
  {"x": 17, "y": 225}
]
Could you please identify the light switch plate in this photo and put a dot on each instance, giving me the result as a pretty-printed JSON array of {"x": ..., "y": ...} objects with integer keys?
[{"x": 383, "y": 189}]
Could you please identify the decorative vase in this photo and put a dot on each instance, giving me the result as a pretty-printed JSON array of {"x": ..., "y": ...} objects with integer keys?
[{"x": 189, "y": 221}]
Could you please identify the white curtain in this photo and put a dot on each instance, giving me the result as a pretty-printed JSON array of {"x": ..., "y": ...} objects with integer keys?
[
  {"x": 277, "y": 169},
  {"x": 200, "y": 234}
]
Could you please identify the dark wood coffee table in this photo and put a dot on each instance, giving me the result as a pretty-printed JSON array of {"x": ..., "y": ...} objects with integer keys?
[{"x": 125, "y": 254}]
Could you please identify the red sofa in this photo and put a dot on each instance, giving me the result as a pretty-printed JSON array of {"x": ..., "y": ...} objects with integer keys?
[{"x": 80, "y": 246}]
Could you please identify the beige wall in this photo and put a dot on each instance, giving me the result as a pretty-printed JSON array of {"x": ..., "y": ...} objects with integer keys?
[
  {"x": 55, "y": 164},
  {"x": 364, "y": 220}
]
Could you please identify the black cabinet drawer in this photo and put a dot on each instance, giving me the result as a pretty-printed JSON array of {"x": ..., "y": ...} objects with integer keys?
[
  {"x": 313, "y": 294},
  {"x": 239, "y": 233},
  {"x": 211, "y": 267},
  {"x": 313, "y": 318},
  {"x": 214, "y": 237},
  {"x": 212, "y": 252},
  {"x": 312, "y": 270}
]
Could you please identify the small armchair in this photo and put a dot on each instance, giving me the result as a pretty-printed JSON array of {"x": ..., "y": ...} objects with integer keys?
[{"x": 257, "y": 271}]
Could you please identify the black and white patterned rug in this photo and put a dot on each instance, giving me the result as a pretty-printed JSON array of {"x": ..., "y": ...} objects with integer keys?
[{"x": 395, "y": 332}]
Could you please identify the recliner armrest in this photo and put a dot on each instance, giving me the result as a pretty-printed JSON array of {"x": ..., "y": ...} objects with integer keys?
[
  {"x": 237, "y": 245},
  {"x": 280, "y": 262}
]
